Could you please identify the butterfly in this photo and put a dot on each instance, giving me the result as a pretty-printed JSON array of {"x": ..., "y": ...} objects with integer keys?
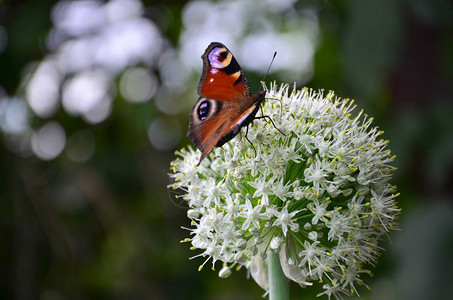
[{"x": 226, "y": 103}]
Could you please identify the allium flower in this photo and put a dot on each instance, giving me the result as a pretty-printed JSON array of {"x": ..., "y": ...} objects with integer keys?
[{"x": 319, "y": 194}]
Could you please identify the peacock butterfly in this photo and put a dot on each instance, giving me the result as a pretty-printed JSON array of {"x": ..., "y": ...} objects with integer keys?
[{"x": 225, "y": 104}]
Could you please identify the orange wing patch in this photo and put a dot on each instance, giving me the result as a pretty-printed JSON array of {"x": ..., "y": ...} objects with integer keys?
[{"x": 221, "y": 86}]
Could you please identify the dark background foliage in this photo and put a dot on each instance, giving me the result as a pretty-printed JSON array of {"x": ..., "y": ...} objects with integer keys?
[{"x": 101, "y": 223}]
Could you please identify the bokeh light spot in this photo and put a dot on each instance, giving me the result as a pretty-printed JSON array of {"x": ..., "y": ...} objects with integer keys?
[
  {"x": 77, "y": 18},
  {"x": 99, "y": 112},
  {"x": 128, "y": 43},
  {"x": 85, "y": 91},
  {"x": 76, "y": 55},
  {"x": 14, "y": 116},
  {"x": 49, "y": 141},
  {"x": 138, "y": 85},
  {"x": 42, "y": 91},
  {"x": 120, "y": 10},
  {"x": 81, "y": 146}
]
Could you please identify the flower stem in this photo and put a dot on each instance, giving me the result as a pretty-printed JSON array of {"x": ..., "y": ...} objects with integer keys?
[{"x": 278, "y": 283}]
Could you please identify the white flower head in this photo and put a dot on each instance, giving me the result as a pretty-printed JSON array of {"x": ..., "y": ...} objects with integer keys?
[{"x": 319, "y": 194}]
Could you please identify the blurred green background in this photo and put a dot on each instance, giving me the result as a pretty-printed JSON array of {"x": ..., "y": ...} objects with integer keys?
[{"x": 95, "y": 97}]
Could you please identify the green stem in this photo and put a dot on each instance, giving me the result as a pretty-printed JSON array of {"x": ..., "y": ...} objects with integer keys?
[{"x": 278, "y": 283}]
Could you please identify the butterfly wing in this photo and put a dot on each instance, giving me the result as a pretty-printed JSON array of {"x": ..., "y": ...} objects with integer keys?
[
  {"x": 225, "y": 103},
  {"x": 213, "y": 123},
  {"x": 222, "y": 78}
]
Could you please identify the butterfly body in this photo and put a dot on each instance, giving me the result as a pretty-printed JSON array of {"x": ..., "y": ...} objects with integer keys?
[{"x": 225, "y": 104}]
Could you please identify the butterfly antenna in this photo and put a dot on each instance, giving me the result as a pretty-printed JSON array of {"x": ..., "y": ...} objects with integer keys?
[
  {"x": 263, "y": 116},
  {"x": 246, "y": 132},
  {"x": 267, "y": 72}
]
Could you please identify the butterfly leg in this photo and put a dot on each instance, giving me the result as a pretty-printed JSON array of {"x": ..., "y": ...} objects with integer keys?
[
  {"x": 281, "y": 105},
  {"x": 270, "y": 119},
  {"x": 246, "y": 132}
]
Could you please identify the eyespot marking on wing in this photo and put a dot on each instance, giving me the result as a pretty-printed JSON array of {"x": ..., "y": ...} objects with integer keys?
[
  {"x": 204, "y": 109},
  {"x": 219, "y": 57}
]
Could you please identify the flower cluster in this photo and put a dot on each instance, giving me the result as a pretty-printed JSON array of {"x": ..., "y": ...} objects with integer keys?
[{"x": 318, "y": 194}]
